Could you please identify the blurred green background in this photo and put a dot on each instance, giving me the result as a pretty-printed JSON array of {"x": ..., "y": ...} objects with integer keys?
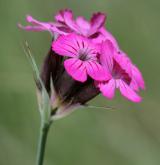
[{"x": 128, "y": 135}]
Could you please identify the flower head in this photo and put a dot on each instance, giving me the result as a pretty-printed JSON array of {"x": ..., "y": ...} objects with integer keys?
[
  {"x": 125, "y": 75},
  {"x": 84, "y": 60},
  {"x": 82, "y": 57}
]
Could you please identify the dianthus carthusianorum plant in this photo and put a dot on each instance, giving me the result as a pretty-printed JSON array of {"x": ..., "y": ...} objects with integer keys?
[{"x": 84, "y": 60}]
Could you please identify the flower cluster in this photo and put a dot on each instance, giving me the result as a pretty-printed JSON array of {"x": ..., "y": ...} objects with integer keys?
[{"x": 85, "y": 59}]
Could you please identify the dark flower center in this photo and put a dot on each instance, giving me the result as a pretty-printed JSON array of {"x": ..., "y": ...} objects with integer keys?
[{"x": 83, "y": 57}]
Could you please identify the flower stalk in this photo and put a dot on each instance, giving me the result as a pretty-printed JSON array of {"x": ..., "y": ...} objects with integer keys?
[{"x": 44, "y": 129}]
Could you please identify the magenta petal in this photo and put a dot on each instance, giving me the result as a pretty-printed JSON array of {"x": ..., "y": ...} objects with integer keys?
[
  {"x": 137, "y": 76},
  {"x": 81, "y": 22},
  {"x": 96, "y": 71},
  {"x": 134, "y": 85},
  {"x": 65, "y": 46},
  {"x": 108, "y": 36},
  {"x": 124, "y": 62},
  {"x": 97, "y": 21},
  {"x": 106, "y": 58},
  {"x": 66, "y": 17},
  {"x": 76, "y": 69},
  {"x": 108, "y": 89},
  {"x": 128, "y": 92},
  {"x": 83, "y": 26},
  {"x": 60, "y": 16}
]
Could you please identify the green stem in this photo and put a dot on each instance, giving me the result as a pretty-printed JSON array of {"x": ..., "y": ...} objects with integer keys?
[{"x": 42, "y": 142}]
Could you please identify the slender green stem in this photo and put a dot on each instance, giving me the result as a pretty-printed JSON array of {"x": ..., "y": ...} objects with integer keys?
[{"x": 42, "y": 142}]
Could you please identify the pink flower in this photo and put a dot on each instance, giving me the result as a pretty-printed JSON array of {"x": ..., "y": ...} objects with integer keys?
[
  {"x": 65, "y": 24},
  {"x": 82, "y": 57},
  {"x": 125, "y": 75}
]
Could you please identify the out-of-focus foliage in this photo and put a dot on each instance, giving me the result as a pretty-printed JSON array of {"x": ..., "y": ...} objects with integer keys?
[{"x": 128, "y": 135}]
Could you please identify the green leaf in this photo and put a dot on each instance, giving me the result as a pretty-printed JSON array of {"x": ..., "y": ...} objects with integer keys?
[{"x": 43, "y": 97}]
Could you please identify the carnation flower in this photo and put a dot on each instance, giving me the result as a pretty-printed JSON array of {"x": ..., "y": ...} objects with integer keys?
[
  {"x": 125, "y": 75},
  {"x": 83, "y": 57},
  {"x": 84, "y": 60}
]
